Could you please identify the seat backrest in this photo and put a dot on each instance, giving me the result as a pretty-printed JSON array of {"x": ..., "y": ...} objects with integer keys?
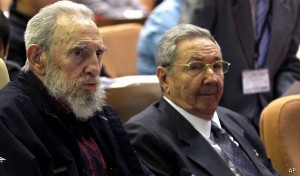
[
  {"x": 121, "y": 41},
  {"x": 130, "y": 100},
  {"x": 280, "y": 133},
  {"x": 4, "y": 78}
]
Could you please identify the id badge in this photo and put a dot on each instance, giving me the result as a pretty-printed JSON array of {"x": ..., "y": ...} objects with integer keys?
[{"x": 256, "y": 81}]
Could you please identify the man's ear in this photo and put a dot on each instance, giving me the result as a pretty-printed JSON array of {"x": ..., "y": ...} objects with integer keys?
[
  {"x": 36, "y": 59},
  {"x": 161, "y": 73}
]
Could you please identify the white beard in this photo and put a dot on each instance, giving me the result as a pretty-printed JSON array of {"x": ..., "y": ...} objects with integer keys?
[
  {"x": 84, "y": 103},
  {"x": 85, "y": 109}
]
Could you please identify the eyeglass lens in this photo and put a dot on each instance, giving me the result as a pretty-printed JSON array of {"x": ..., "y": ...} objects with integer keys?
[{"x": 217, "y": 67}]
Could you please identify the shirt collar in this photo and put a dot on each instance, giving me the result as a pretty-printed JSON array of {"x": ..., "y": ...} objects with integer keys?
[{"x": 201, "y": 125}]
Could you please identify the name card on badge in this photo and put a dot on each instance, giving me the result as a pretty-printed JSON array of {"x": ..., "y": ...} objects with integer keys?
[{"x": 256, "y": 81}]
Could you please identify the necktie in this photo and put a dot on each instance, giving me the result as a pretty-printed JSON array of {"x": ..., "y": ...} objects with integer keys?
[
  {"x": 233, "y": 152},
  {"x": 262, "y": 31}
]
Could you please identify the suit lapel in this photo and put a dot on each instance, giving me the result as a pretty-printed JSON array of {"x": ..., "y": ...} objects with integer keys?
[
  {"x": 238, "y": 134},
  {"x": 200, "y": 151},
  {"x": 244, "y": 27}
]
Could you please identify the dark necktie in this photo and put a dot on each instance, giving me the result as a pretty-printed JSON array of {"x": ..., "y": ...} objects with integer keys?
[
  {"x": 233, "y": 152},
  {"x": 262, "y": 42},
  {"x": 262, "y": 31}
]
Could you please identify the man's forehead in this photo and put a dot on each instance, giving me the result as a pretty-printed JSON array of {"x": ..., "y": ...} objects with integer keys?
[
  {"x": 73, "y": 23},
  {"x": 200, "y": 50},
  {"x": 78, "y": 34}
]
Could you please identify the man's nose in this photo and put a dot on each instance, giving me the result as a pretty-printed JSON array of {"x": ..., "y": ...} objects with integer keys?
[
  {"x": 209, "y": 74},
  {"x": 94, "y": 66}
]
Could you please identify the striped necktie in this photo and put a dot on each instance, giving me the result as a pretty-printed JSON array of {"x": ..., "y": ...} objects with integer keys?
[
  {"x": 262, "y": 31},
  {"x": 233, "y": 152}
]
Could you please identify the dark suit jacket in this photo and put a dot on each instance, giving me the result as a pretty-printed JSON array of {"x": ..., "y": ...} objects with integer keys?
[
  {"x": 35, "y": 140},
  {"x": 230, "y": 22},
  {"x": 168, "y": 144}
]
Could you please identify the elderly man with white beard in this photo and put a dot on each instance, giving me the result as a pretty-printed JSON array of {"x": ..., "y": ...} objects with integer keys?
[{"x": 53, "y": 119}]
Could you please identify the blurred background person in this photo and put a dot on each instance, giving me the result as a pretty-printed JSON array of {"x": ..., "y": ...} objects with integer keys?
[
  {"x": 4, "y": 35},
  {"x": 260, "y": 39},
  {"x": 12, "y": 67},
  {"x": 19, "y": 14},
  {"x": 5, "y": 5},
  {"x": 162, "y": 18}
]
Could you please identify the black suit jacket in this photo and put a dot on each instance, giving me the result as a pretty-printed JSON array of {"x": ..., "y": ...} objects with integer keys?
[
  {"x": 168, "y": 144},
  {"x": 35, "y": 139},
  {"x": 230, "y": 22}
]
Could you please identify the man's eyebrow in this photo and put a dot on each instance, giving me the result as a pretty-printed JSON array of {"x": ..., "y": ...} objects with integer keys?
[
  {"x": 103, "y": 47},
  {"x": 79, "y": 46},
  {"x": 218, "y": 57},
  {"x": 196, "y": 58},
  {"x": 86, "y": 45}
]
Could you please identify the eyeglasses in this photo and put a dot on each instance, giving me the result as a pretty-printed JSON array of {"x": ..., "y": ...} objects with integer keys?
[{"x": 218, "y": 67}]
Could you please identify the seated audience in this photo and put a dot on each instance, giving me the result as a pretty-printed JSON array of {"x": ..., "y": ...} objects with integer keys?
[
  {"x": 13, "y": 68},
  {"x": 53, "y": 119},
  {"x": 161, "y": 19},
  {"x": 186, "y": 132},
  {"x": 116, "y": 9}
]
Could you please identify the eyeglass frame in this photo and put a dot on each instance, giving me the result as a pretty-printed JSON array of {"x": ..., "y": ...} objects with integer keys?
[{"x": 205, "y": 66}]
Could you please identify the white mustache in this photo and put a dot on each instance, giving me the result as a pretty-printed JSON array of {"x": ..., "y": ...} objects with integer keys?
[{"x": 89, "y": 80}]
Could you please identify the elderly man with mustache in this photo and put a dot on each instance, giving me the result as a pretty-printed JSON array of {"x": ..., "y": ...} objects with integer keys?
[{"x": 186, "y": 132}]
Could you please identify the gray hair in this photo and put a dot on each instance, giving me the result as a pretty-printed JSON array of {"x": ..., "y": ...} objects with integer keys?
[
  {"x": 166, "y": 48},
  {"x": 41, "y": 27}
]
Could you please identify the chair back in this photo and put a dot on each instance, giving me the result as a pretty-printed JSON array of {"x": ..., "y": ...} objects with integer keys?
[
  {"x": 4, "y": 77},
  {"x": 129, "y": 100},
  {"x": 280, "y": 133},
  {"x": 121, "y": 41}
]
